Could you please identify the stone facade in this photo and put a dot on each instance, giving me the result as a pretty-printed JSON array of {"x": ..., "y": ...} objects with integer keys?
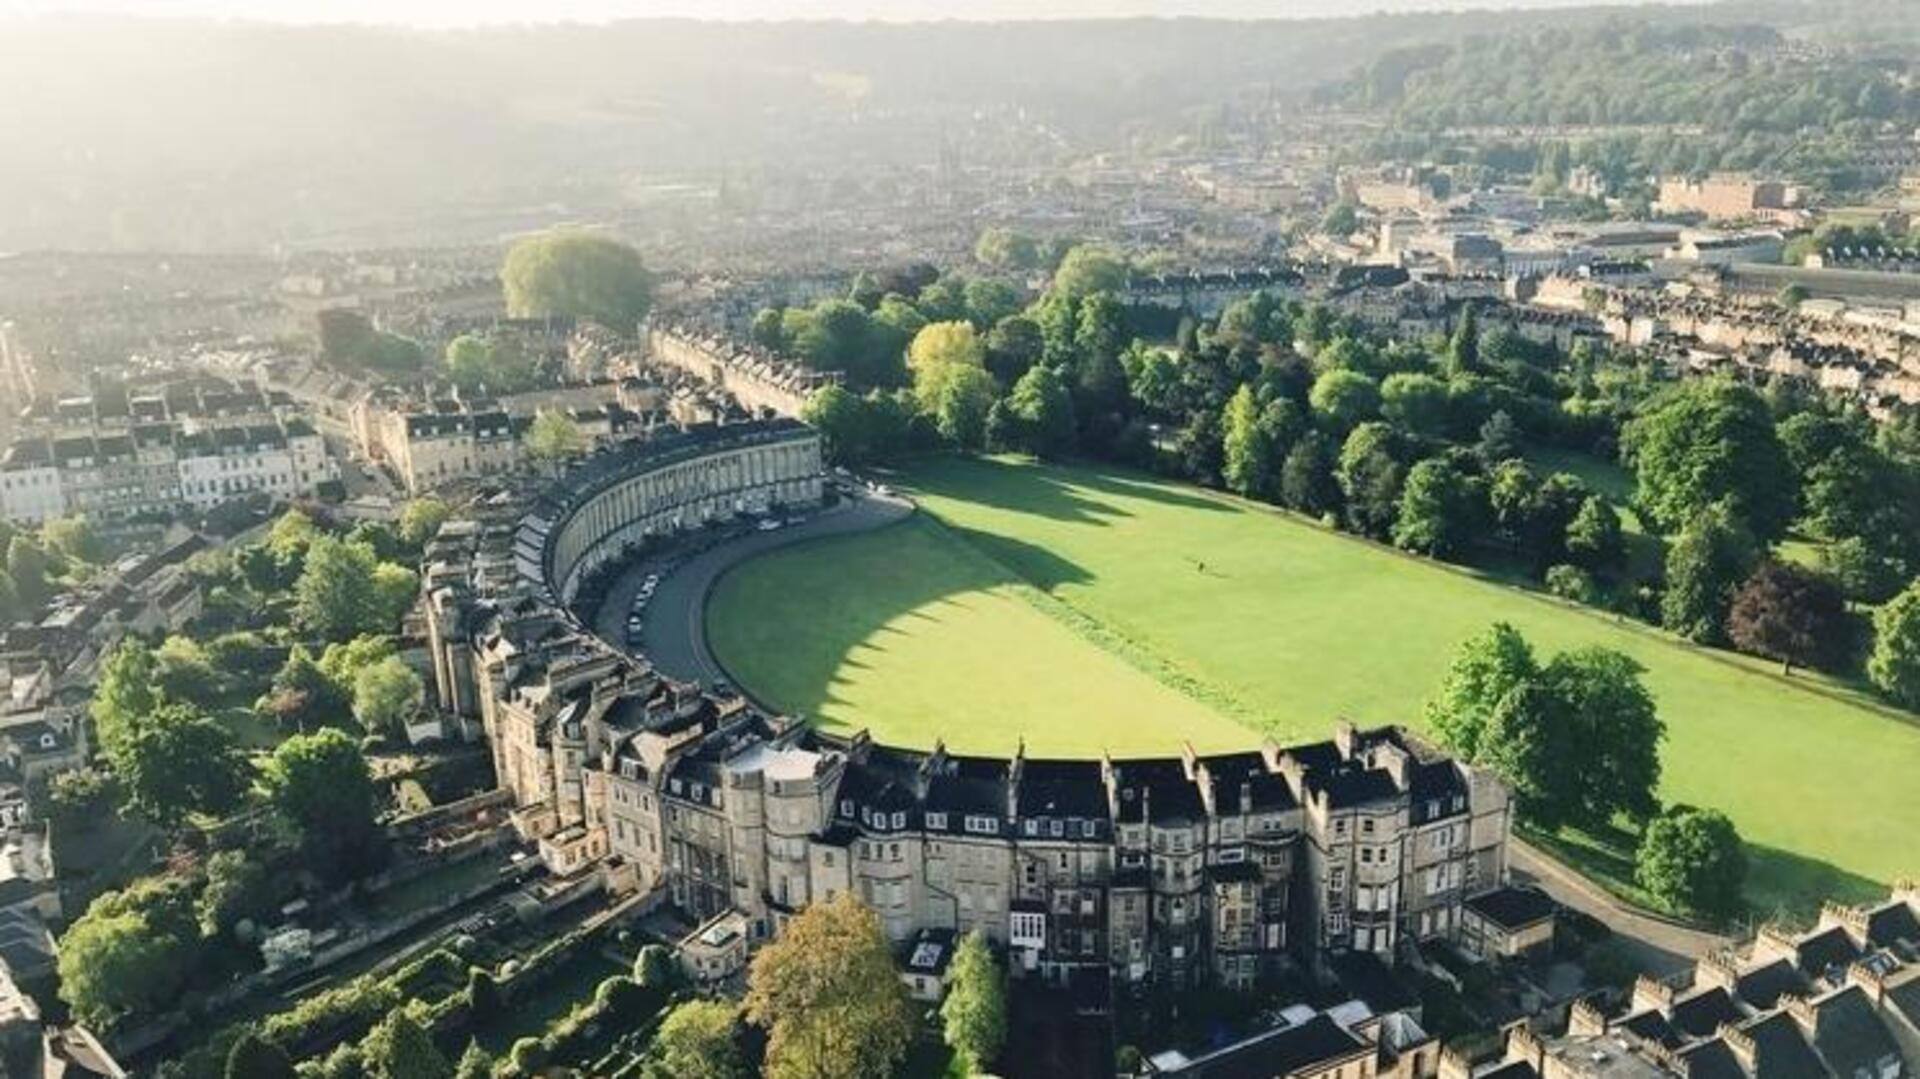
[{"x": 1179, "y": 870}]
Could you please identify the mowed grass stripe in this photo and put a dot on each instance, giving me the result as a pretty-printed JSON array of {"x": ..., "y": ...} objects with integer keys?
[
  {"x": 1305, "y": 625},
  {"x": 912, "y": 633}
]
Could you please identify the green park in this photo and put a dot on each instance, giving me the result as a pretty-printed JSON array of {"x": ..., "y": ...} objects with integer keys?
[{"x": 1100, "y": 611}]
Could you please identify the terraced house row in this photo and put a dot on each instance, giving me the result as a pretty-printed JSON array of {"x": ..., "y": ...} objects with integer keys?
[{"x": 1177, "y": 870}]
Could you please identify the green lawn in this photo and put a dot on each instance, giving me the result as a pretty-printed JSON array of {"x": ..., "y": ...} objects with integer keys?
[
  {"x": 1278, "y": 623},
  {"x": 931, "y": 639}
]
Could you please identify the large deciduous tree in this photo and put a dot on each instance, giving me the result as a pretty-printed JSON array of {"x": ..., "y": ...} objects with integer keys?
[
  {"x": 1087, "y": 270},
  {"x": 1440, "y": 509},
  {"x": 698, "y": 1039},
  {"x": 1040, "y": 410},
  {"x": 1578, "y": 738},
  {"x": 1370, "y": 476},
  {"x": 577, "y": 275},
  {"x": 829, "y": 996},
  {"x": 321, "y": 785},
  {"x": 1595, "y": 540},
  {"x": 1343, "y": 399},
  {"x": 1713, "y": 443},
  {"x": 1485, "y": 669},
  {"x": 335, "y": 597},
  {"x": 1894, "y": 666},
  {"x": 176, "y": 762},
  {"x": 1791, "y": 614},
  {"x": 385, "y": 693},
  {"x": 1692, "y": 860},
  {"x": 553, "y": 438},
  {"x": 1705, "y": 566},
  {"x": 1246, "y": 448}
]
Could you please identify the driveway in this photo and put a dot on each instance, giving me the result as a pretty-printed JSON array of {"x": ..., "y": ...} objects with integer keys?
[
  {"x": 1658, "y": 946},
  {"x": 675, "y": 638}
]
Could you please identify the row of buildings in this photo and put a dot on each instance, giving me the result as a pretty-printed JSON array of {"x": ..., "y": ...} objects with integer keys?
[
  {"x": 1093, "y": 873},
  {"x": 1838, "y": 1001},
  {"x": 156, "y": 468}
]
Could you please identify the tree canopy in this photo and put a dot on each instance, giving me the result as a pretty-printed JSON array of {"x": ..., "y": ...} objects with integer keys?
[
  {"x": 1713, "y": 443},
  {"x": 827, "y": 992},
  {"x": 577, "y": 275},
  {"x": 1692, "y": 861},
  {"x": 321, "y": 785}
]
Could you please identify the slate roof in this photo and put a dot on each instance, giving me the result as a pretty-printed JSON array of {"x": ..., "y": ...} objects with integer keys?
[
  {"x": 1831, "y": 949},
  {"x": 1891, "y": 923},
  {"x": 1780, "y": 1050},
  {"x": 1702, "y": 1013},
  {"x": 1318, "y": 1040},
  {"x": 1761, "y": 987},
  {"x": 1850, "y": 1036},
  {"x": 1513, "y": 908}
]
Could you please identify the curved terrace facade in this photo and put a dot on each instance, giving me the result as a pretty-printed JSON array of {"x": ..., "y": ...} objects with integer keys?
[{"x": 1107, "y": 874}]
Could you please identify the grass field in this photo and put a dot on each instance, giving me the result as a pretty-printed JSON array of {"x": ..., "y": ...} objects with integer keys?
[{"x": 1066, "y": 603}]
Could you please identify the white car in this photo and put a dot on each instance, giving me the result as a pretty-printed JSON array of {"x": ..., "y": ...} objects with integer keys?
[{"x": 768, "y": 526}]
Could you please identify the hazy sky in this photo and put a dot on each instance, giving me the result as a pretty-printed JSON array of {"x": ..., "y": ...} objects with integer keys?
[{"x": 474, "y": 12}]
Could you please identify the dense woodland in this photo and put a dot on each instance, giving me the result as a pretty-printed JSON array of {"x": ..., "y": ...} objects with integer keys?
[{"x": 1705, "y": 97}]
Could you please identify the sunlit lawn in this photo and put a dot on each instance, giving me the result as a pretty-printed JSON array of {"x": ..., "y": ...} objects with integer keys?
[{"x": 916, "y": 632}]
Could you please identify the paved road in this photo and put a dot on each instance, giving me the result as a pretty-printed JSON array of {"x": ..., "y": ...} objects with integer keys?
[
  {"x": 675, "y": 640},
  {"x": 1659, "y": 946}
]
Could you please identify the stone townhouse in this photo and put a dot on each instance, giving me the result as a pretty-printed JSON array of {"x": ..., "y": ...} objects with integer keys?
[{"x": 1103, "y": 875}]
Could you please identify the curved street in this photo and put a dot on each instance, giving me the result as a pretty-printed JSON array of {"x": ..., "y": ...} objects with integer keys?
[{"x": 675, "y": 639}]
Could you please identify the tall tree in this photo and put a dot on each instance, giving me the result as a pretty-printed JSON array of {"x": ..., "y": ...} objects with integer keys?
[
  {"x": 1595, "y": 540},
  {"x": 829, "y": 996},
  {"x": 1370, "y": 476},
  {"x": 125, "y": 694},
  {"x": 577, "y": 275},
  {"x": 1041, "y": 411},
  {"x": 1246, "y": 451},
  {"x": 254, "y": 1057},
  {"x": 177, "y": 762},
  {"x": 1705, "y": 565},
  {"x": 1463, "y": 349},
  {"x": 1087, "y": 270},
  {"x": 974, "y": 1015},
  {"x": 1307, "y": 483},
  {"x": 421, "y": 519},
  {"x": 1709, "y": 443},
  {"x": 1343, "y": 399},
  {"x": 1415, "y": 401},
  {"x": 1005, "y": 249},
  {"x": 1692, "y": 860},
  {"x": 1790, "y": 614},
  {"x": 385, "y": 694},
  {"x": 129, "y": 953},
  {"x": 1894, "y": 666},
  {"x": 841, "y": 418},
  {"x": 1440, "y": 509},
  {"x": 27, "y": 565},
  {"x": 1609, "y": 725},
  {"x": 401, "y": 1048},
  {"x": 699, "y": 1039},
  {"x": 335, "y": 596},
  {"x": 1484, "y": 670},
  {"x": 553, "y": 438},
  {"x": 321, "y": 785}
]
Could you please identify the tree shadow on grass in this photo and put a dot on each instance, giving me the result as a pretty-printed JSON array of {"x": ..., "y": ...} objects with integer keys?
[
  {"x": 1013, "y": 487},
  {"x": 850, "y": 596},
  {"x": 1789, "y": 887}
]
